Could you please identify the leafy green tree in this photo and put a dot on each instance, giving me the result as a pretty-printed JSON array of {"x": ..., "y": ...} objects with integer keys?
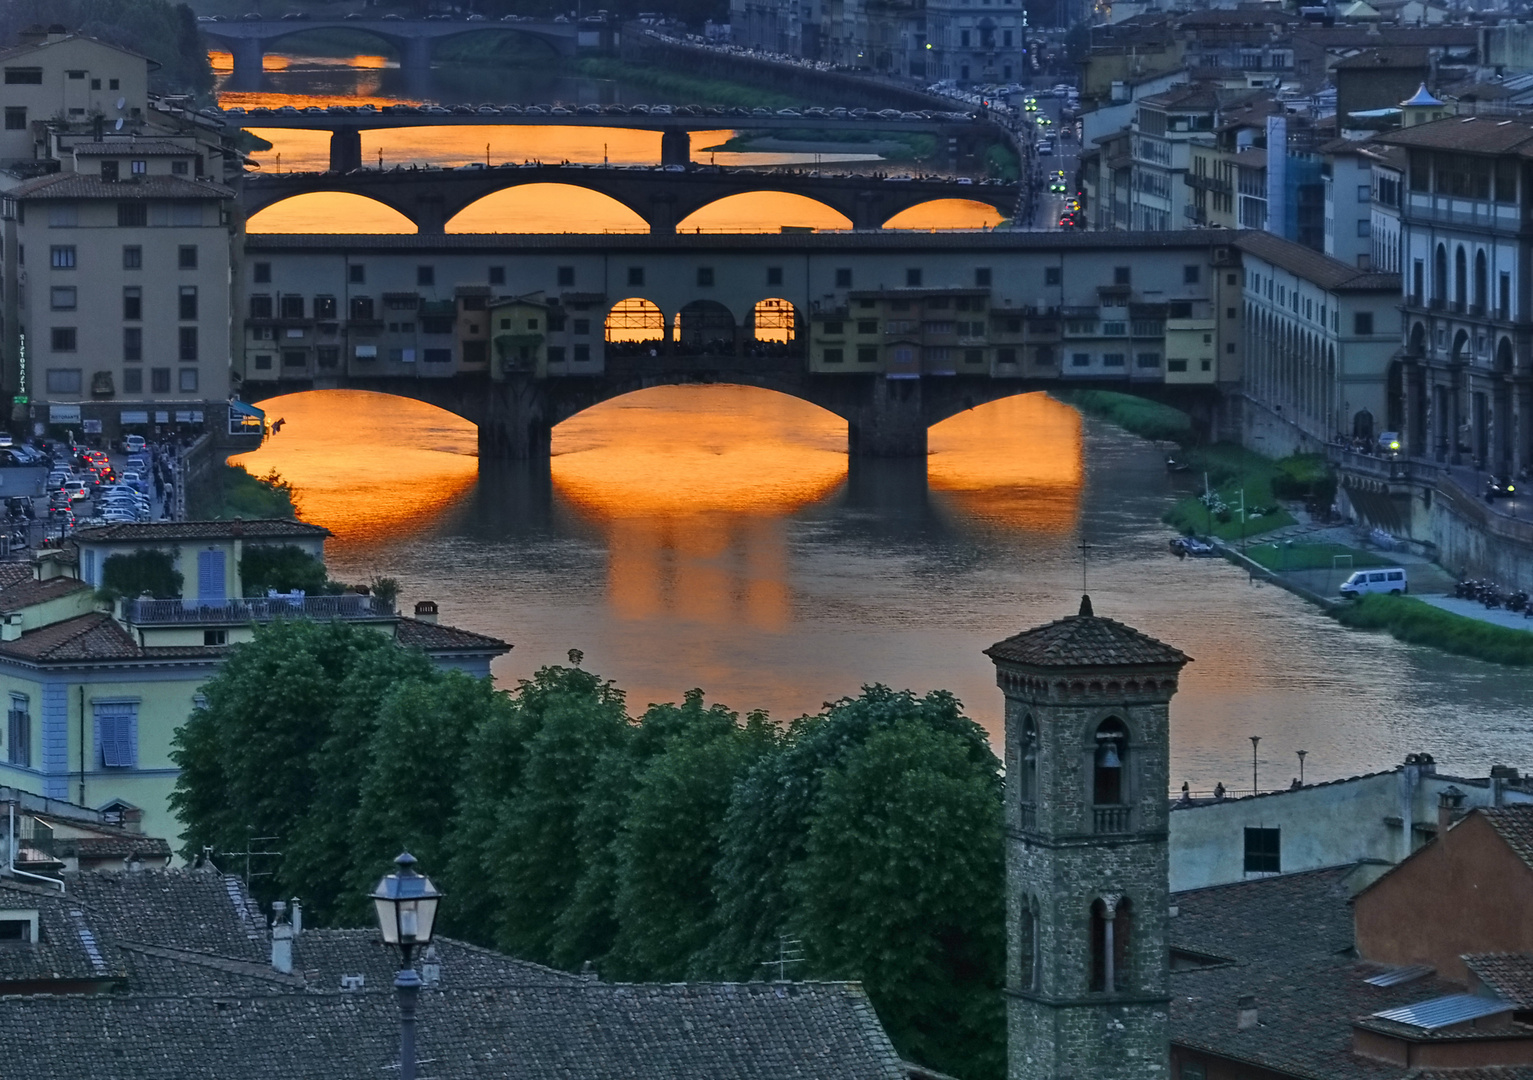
[
  {"x": 282, "y": 567},
  {"x": 148, "y": 570},
  {"x": 901, "y": 888},
  {"x": 768, "y": 818}
]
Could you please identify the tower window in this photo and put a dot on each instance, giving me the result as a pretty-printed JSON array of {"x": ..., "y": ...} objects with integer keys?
[
  {"x": 1111, "y": 752},
  {"x": 1110, "y": 926},
  {"x": 1027, "y": 772}
]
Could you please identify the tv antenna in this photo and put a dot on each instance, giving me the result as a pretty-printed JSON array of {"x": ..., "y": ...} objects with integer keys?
[
  {"x": 117, "y": 126},
  {"x": 121, "y": 102},
  {"x": 250, "y": 853},
  {"x": 789, "y": 951}
]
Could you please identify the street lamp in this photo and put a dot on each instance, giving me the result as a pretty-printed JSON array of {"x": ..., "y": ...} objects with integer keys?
[
  {"x": 406, "y": 904},
  {"x": 1254, "y": 740},
  {"x": 1301, "y": 754}
]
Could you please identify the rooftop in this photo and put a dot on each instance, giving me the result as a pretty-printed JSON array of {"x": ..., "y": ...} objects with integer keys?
[
  {"x": 68, "y": 185},
  {"x": 1475, "y": 134},
  {"x": 93, "y": 638},
  {"x": 1400, "y": 56},
  {"x": 131, "y": 147},
  {"x": 1514, "y": 824},
  {"x": 435, "y": 638},
  {"x": 150, "y": 532},
  {"x": 1330, "y": 274},
  {"x": 1509, "y": 975},
  {"x": 1085, "y": 640}
]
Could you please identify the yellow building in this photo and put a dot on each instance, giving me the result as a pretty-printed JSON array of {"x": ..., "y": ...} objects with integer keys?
[
  {"x": 55, "y": 75},
  {"x": 95, "y": 691}
]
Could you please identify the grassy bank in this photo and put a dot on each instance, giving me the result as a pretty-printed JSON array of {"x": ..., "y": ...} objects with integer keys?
[
  {"x": 1231, "y": 470},
  {"x": 231, "y": 492},
  {"x": 1411, "y": 620},
  {"x": 1285, "y": 557},
  {"x": 1136, "y": 415},
  {"x": 680, "y": 88}
]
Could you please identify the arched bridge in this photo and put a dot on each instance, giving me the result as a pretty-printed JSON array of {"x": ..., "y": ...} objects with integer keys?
[
  {"x": 411, "y": 38},
  {"x": 430, "y": 198}
]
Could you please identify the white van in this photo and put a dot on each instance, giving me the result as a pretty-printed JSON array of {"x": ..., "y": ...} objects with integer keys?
[{"x": 1388, "y": 579}]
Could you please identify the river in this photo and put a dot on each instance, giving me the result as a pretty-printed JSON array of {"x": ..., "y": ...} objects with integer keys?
[{"x": 719, "y": 537}]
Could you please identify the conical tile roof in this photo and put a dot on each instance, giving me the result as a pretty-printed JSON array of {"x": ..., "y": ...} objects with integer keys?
[{"x": 1085, "y": 640}]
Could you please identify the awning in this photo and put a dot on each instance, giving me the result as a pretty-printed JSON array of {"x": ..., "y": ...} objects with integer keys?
[{"x": 246, "y": 410}]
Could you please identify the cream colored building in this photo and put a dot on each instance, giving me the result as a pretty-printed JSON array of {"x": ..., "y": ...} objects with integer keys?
[
  {"x": 57, "y": 75},
  {"x": 94, "y": 692}
]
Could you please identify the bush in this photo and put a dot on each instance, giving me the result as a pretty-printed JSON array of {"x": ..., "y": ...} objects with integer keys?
[
  {"x": 1136, "y": 415},
  {"x": 284, "y": 569},
  {"x": 231, "y": 492},
  {"x": 1419, "y": 623},
  {"x": 147, "y": 571}
]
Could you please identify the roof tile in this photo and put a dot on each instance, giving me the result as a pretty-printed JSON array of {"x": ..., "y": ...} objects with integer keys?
[
  {"x": 1085, "y": 640},
  {"x": 149, "y": 532}
]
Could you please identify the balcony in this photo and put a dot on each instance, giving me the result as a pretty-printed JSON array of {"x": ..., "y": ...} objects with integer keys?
[
  {"x": 176, "y": 612},
  {"x": 1110, "y": 819}
]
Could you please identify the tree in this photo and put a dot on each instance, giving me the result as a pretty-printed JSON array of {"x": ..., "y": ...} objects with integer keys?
[
  {"x": 147, "y": 570},
  {"x": 283, "y": 568},
  {"x": 901, "y": 888}
]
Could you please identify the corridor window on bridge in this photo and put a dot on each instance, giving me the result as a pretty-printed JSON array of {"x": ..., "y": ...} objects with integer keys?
[{"x": 635, "y": 326}]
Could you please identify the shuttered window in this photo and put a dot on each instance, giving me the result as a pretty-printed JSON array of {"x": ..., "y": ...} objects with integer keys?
[
  {"x": 19, "y": 733},
  {"x": 117, "y": 733}
]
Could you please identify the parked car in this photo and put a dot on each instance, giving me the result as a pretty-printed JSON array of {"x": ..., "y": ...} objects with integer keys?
[{"x": 1390, "y": 579}]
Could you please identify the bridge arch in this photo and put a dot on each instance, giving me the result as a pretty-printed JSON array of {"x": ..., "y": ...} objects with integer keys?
[
  {"x": 634, "y": 325},
  {"x": 513, "y": 209},
  {"x": 764, "y": 211},
  {"x": 707, "y": 327},
  {"x": 330, "y": 211},
  {"x": 947, "y": 214},
  {"x": 775, "y": 321}
]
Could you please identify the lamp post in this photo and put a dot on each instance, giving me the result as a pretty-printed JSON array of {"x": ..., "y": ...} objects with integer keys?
[
  {"x": 1254, "y": 740},
  {"x": 406, "y": 904},
  {"x": 1301, "y": 754}
]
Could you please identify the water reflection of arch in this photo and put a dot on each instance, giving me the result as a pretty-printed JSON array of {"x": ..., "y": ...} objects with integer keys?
[{"x": 707, "y": 327}]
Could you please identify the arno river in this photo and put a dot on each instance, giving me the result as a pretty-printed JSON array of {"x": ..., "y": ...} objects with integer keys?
[{"x": 719, "y": 537}]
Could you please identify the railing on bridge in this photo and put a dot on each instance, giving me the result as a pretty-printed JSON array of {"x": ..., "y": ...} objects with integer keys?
[{"x": 259, "y": 609}]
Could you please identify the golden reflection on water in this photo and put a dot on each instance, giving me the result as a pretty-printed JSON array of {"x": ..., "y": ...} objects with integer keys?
[
  {"x": 369, "y": 467},
  {"x": 1015, "y": 463},
  {"x": 947, "y": 214},
  {"x": 329, "y": 212},
  {"x": 546, "y": 208},
  {"x": 763, "y": 212}
]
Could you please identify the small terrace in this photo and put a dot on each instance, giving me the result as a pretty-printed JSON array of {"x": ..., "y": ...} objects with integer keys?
[{"x": 255, "y": 609}]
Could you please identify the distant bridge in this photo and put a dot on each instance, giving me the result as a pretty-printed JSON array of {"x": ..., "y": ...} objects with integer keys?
[
  {"x": 430, "y": 198},
  {"x": 411, "y": 38}
]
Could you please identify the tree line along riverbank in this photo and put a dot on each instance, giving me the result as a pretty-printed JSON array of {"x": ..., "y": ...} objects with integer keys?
[{"x": 1237, "y": 476}]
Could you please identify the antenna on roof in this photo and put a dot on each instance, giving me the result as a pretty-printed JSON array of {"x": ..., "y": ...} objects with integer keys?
[
  {"x": 117, "y": 126},
  {"x": 121, "y": 102},
  {"x": 789, "y": 951}
]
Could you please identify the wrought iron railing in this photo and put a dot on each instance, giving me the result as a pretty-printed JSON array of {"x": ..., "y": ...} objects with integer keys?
[{"x": 262, "y": 609}]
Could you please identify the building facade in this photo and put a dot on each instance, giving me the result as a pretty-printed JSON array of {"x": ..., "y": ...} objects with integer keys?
[
  {"x": 1087, "y": 756},
  {"x": 53, "y": 75}
]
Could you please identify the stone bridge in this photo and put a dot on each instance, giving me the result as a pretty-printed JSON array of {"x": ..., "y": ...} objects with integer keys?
[
  {"x": 885, "y": 417},
  {"x": 430, "y": 198},
  {"x": 411, "y": 38}
]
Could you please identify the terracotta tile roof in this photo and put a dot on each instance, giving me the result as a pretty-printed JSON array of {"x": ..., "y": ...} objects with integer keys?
[
  {"x": 1289, "y": 941},
  {"x": 1510, "y": 975},
  {"x": 149, "y": 532},
  {"x": 1514, "y": 824},
  {"x": 123, "y": 846},
  {"x": 59, "y": 954},
  {"x": 81, "y": 186},
  {"x": 13, "y": 573},
  {"x": 1085, "y": 640},
  {"x": 94, "y": 637},
  {"x": 31, "y": 591},
  {"x": 1406, "y": 56},
  {"x": 1330, "y": 274},
  {"x": 432, "y": 637},
  {"x": 131, "y": 147},
  {"x": 1476, "y": 134}
]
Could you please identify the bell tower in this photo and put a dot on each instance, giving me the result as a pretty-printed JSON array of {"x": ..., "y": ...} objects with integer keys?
[{"x": 1087, "y": 877}]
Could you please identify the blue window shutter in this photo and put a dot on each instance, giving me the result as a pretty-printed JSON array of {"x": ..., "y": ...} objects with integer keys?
[
  {"x": 210, "y": 576},
  {"x": 116, "y": 724}
]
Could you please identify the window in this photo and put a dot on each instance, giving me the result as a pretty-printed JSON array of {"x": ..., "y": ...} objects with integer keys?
[
  {"x": 1006, "y": 356},
  {"x": 263, "y": 360},
  {"x": 1080, "y": 359},
  {"x": 705, "y": 276},
  {"x": 290, "y": 306},
  {"x": 62, "y": 258},
  {"x": 581, "y": 326},
  {"x": 260, "y": 273},
  {"x": 260, "y": 307},
  {"x": 636, "y": 275},
  {"x": 1113, "y": 359},
  {"x": 188, "y": 380},
  {"x": 1051, "y": 275},
  {"x": 215, "y": 637},
  {"x": 1264, "y": 851},
  {"x": 1362, "y": 322},
  {"x": 180, "y": 168},
  {"x": 187, "y": 343},
  {"x": 844, "y": 277},
  {"x": 132, "y": 215},
  {"x": 21, "y": 76},
  {"x": 867, "y": 326},
  {"x": 19, "y": 732},
  {"x": 113, "y": 84},
  {"x": 117, "y": 733},
  {"x": 834, "y": 328},
  {"x": 159, "y": 380},
  {"x": 1364, "y": 227},
  {"x": 356, "y": 274},
  {"x": 324, "y": 307},
  {"x": 867, "y": 354},
  {"x": 1110, "y": 945},
  {"x": 63, "y": 380},
  {"x": 982, "y": 277},
  {"x": 132, "y": 344},
  {"x": 327, "y": 356},
  {"x": 497, "y": 275},
  {"x": 186, "y": 256},
  {"x": 833, "y": 356},
  {"x": 133, "y": 380},
  {"x": 913, "y": 277},
  {"x": 15, "y": 119},
  {"x": 438, "y": 356},
  {"x": 186, "y": 307},
  {"x": 774, "y": 275},
  {"x": 132, "y": 257},
  {"x": 362, "y": 308},
  {"x": 1147, "y": 360},
  {"x": 1191, "y": 274},
  {"x": 425, "y": 275},
  {"x": 62, "y": 298},
  {"x": 63, "y": 339},
  {"x": 1120, "y": 275},
  {"x": 566, "y": 275}
]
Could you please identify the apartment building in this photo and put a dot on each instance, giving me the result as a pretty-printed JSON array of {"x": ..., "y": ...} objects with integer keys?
[
  {"x": 54, "y": 75},
  {"x": 117, "y": 283},
  {"x": 1347, "y": 174}
]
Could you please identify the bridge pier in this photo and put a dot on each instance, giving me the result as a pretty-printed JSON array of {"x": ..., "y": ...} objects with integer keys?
[
  {"x": 675, "y": 146},
  {"x": 416, "y": 54},
  {"x": 889, "y": 420},
  {"x": 247, "y": 60},
  {"x": 514, "y": 423},
  {"x": 345, "y": 150}
]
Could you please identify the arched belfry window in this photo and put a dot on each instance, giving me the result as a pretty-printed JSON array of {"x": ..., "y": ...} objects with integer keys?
[
  {"x": 1110, "y": 764},
  {"x": 1027, "y": 772},
  {"x": 1111, "y": 926}
]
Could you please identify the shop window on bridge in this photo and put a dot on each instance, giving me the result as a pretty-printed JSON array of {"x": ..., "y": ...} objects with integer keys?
[
  {"x": 324, "y": 307},
  {"x": 295, "y": 358},
  {"x": 1080, "y": 359},
  {"x": 833, "y": 356},
  {"x": 774, "y": 275},
  {"x": 636, "y": 275},
  {"x": 867, "y": 354},
  {"x": 263, "y": 360},
  {"x": 1147, "y": 360},
  {"x": 291, "y": 307},
  {"x": 436, "y": 324},
  {"x": 705, "y": 276},
  {"x": 1006, "y": 356},
  {"x": 440, "y": 356},
  {"x": 476, "y": 352},
  {"x": 328, "y": 356},
  {"x": 844, "y": 280},
  {"x": 260, "y": 273},
  {"x": 1051, "y": 275},
  {"x": 362, "y": 308},
  {"x": 566, "y": 275},
  {"x": 356, "y": 274},
  {"x": 974, "y": 356},
  {"x": 425, "y": 275}
]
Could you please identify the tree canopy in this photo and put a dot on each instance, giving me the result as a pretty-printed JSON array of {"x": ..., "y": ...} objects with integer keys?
[{"x": 681, "y": 843}]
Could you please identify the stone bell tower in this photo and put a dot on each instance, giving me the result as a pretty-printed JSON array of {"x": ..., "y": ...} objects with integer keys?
[{"x": 1087, "y": 878}]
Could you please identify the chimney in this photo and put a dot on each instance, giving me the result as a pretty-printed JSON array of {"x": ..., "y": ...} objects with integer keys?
[
  {"x": 425, "y": 611},
  {"x": 281, "y": 939},
  {"x": 32, "y": 35},
  {"x": 1245, "y": 1012},
  {"x": 1450, "y": 807},
  {"x": 10, "y": 628},
  {"x": 297, "y": 917},
  {"x": 431, "y": 967}
]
